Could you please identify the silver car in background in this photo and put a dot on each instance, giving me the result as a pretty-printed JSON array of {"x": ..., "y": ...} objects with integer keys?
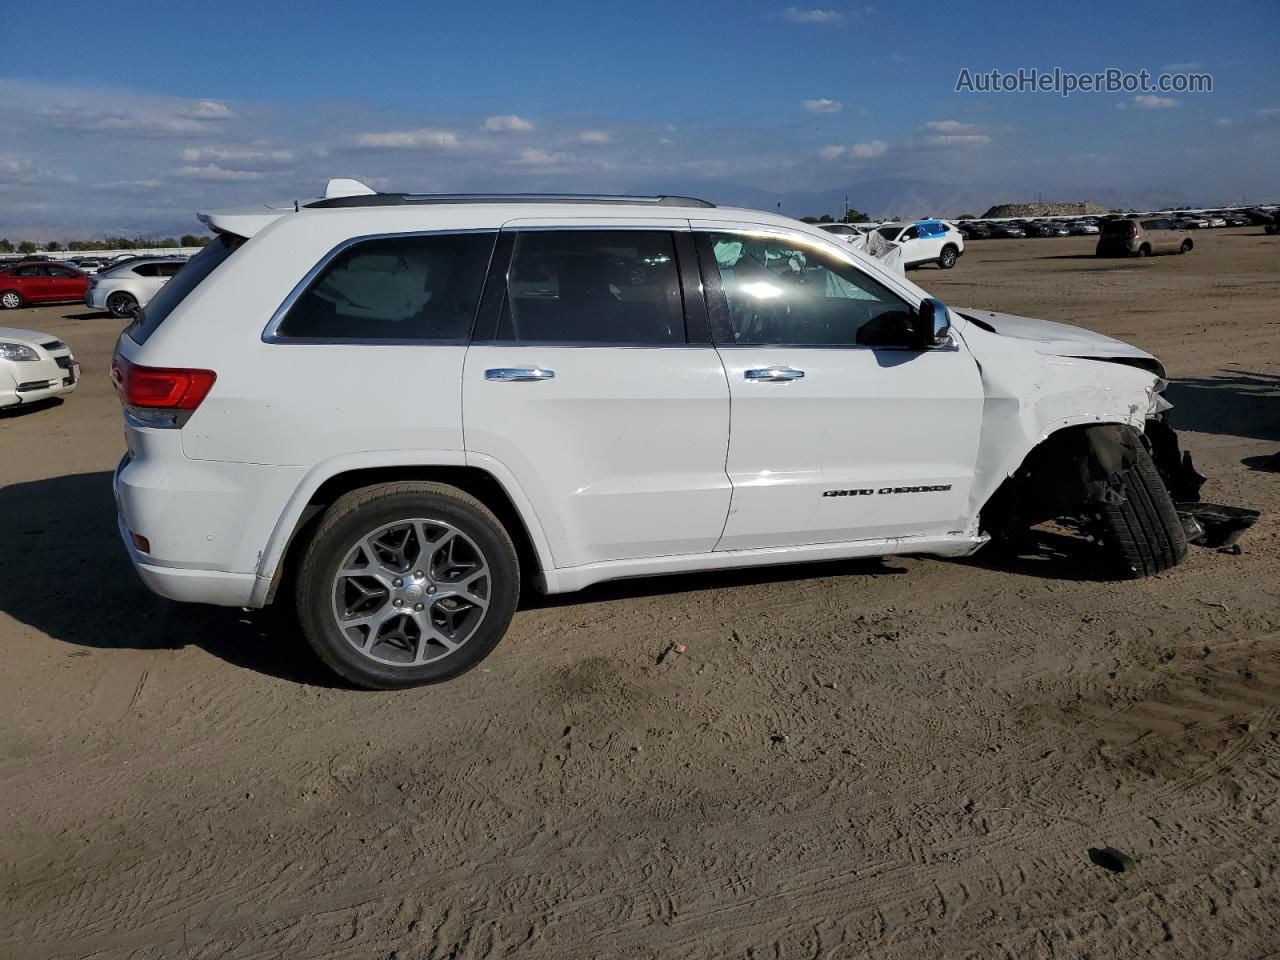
[{"x": 122, "y": 289}]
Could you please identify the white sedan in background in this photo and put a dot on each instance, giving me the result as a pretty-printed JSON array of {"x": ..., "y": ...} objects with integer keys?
[
  {"x": 34, "y": 366},
  {"x": 121, "y": 290}
]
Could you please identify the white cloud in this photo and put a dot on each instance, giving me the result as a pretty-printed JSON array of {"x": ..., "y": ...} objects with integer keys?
[
  {"x": 533, "y": 157},
  {"x": 1147, "y": 101},
  {"x": 241, "y": 158},
  {"x": 1224, "y": 122},
  {"x": 814, "y": 15},
  {"x": 409, "y": 140},
  {"x": 1269, "y": 113},
  {"x": 957, "y": 139},
  {"x": 155, "y": 118},
  {"x": 21, "y": 172},
  {"x": 857, "y": 151},
  {"x": 948, "y": 126},
  {"x": 208, "y": 110},
  {"x": 507, "y": 121},
  {"x": 214, "y": 173},
  {"x": 822, "y": 105},
  {"x": 595, "y": 136}
]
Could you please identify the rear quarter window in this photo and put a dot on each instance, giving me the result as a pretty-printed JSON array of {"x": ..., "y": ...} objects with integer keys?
[
  {"x": 215, "y": 253},
  {"x": 404, "y": 288}
]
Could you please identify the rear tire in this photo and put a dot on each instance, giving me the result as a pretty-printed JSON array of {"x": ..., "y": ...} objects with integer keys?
[
  {"x": 121, "y": 304},
  {"x": 1143, "y": 250},
  {"x": 948, "y": 258},
  {"x": 416, "y": 540},
  {"x": 10, "y": 300},
  {"x": 1186, "y": 245},
  {"x": 1143, "y": 534}
]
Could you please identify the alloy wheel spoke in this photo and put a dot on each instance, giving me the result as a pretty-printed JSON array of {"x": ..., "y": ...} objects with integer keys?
[{"x": 411, "y": 592}]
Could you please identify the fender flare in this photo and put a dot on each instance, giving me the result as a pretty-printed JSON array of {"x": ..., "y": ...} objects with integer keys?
[{"x": 291, "y": 517}]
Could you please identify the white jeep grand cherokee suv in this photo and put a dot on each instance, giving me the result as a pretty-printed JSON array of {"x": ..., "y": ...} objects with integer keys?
[{"x": 391, "y": 409}]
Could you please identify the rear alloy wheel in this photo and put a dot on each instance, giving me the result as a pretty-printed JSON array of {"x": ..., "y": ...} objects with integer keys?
[
  {"x": 1143, "y": 534},
  {"x": 1186, "y": 245},
  {"x": 10, "y": 300},
  {"x": 948, "y": 258},
  {"x": 407, "y": 583},
  {"x": 121, "y": 304}
]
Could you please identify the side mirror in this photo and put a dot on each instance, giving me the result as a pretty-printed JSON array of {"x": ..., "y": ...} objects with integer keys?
[{"x": 932, "y": 325}]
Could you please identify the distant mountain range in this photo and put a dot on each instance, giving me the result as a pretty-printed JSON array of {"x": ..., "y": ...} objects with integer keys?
[{"x": 911, "y": 197}]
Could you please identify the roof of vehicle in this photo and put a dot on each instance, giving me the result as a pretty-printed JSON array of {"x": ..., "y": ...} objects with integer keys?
[{"x": 483, "y": 211}]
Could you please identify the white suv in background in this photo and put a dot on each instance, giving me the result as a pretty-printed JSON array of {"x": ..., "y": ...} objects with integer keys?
[
  {"x": 391, "y": 410},
  {"x": 122, "y": 289},
  {"x": 926, "y": 241}
]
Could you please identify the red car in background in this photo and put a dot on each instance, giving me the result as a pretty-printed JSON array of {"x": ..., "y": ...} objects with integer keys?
[{"x": 40, "y": 282}]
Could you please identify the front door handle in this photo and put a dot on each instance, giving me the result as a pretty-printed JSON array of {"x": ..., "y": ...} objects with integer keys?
[
  {"x": 518, "y": 374},
  {"x": 779, "y": 374}
]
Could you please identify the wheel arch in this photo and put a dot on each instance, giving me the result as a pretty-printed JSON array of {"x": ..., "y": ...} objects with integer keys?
[
  {"x": 323, "y": 486},
  {"x": 1072, "y": 466}
]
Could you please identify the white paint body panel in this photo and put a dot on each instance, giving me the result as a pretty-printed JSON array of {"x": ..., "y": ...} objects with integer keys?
[
  {"x": 860, "y": 419},
  {"x": 630, "y": 462},
  {"x": 621, "y": 453}
]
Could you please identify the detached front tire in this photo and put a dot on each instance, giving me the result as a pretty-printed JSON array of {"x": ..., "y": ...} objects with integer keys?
[
  {"x": 1143, "y": 533},
  {"x": 405, "y": 584}
]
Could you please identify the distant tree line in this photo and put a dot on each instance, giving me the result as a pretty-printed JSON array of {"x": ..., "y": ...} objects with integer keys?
[
  {"x": 853, "y": 216},
  {"x": 106, "y": 243}
]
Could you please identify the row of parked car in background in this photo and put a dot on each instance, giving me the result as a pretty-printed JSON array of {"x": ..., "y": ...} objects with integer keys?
[{"x": 119, "y": 286}]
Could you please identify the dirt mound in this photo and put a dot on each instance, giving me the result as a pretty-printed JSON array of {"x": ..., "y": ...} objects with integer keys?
[{"x": 1042, "y": 210}]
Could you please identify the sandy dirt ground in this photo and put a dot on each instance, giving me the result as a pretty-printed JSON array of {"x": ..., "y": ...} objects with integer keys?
[{"x": 902, "y": 759}]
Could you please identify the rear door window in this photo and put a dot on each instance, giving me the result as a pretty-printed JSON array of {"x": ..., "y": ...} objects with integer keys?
[
  {"x": 404, "y": 288},
  {"x": 593, "y": 287}
]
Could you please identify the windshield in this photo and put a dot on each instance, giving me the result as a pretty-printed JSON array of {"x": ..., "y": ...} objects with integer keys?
[
  {"x": 889, "y": 233},
  {"x": 175, "y": 291}
]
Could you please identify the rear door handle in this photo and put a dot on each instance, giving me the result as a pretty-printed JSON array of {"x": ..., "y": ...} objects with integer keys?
[
  {"x": 518, "y": 374},
  {"x": 780, "y": 374}
]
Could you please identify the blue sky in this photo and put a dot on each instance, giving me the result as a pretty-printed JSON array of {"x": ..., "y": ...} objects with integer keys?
[{"x": 140, "y": 114}]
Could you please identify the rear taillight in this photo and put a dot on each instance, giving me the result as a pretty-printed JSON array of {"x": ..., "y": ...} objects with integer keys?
[{"x": 160, "y": 388}]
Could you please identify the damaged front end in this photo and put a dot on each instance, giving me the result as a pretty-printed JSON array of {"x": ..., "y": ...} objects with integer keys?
[{"x": 1081, "y": 470}]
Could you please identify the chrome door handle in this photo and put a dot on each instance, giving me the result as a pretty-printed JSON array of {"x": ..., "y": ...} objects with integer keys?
[
  {"x": 773, "y": 374},
  {"x": 519, "y": 374}
]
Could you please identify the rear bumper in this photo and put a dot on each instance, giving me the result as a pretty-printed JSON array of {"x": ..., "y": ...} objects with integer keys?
[
  {"x": 205, "y": 522},
  {"x": 190, "y": 586}
]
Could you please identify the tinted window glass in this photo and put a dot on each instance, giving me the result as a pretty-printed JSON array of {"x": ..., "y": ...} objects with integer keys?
[
  {"x": 170, "y": 269},
  {"x": 780, "y": 292},
  {"x": 29, "y": 272},
  {"x": 397, "y": 288},
  {"x": 147, "y": 269},
  {"x": 890, "y": 233},
  {"x": 593, "y": 286},
  {"x": 59, "y": 272},
  {"x": 1150, "y": 224},
  {"x": 172, "y": 294}
]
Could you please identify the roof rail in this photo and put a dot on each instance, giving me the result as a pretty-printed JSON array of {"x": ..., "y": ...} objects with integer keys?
[{"x": 406, "y": 199}]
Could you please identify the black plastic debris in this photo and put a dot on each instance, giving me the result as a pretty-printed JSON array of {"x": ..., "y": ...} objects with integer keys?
[
  {"x": 1111, "y": 859},
  {"x": 1219, "y": 525}
]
